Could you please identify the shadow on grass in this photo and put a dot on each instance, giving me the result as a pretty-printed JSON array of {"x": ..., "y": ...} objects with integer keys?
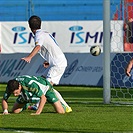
[{"x": 82, "y": 93}]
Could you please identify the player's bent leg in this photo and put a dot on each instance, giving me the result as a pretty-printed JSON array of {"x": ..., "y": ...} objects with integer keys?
[
  {"x": 60, "y": 97},
  {"x": 17, "y": 108},
  {"x": 68, "y": 109},
  {"x": 58, "y": 107}
]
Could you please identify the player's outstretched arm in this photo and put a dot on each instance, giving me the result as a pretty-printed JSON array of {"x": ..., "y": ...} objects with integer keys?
[
  {"x": 5, "y": 107},
  {"x": 41, "y": 105},
  {"x": 32, "y": 54}
]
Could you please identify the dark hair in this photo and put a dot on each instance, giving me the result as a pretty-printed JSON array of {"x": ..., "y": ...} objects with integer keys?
[
  {"x": 12, "y": 85},
  {"x": 34, "y": 22}
]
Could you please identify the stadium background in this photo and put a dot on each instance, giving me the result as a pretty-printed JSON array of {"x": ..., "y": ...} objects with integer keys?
[
  {"x": 12, "y": 10},
  {"x": 80, "y": 64}
]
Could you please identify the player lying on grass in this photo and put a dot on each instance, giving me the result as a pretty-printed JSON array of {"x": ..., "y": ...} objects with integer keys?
[{"x": 31, "y": 89}]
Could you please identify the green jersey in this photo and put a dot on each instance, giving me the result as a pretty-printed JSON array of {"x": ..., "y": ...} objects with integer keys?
[{"x": 32, "y": 89}]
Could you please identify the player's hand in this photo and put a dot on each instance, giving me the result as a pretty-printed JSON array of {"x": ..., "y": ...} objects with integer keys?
[
  {"x": 27, "y": 59},
  {"x": 6, "y": 113},
  {"x": 46, "y": 64},
  {"x": 128, "y": 73},
  {"x": 129, "y": 67}
]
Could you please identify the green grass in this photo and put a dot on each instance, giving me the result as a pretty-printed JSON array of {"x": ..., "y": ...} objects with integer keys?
[{"x": 89, "y": 115}]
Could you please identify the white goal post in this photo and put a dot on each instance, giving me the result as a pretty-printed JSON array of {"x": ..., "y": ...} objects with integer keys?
[{"x": 106, "y": 52}]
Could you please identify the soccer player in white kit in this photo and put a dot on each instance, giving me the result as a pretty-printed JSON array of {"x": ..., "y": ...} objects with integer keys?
[{"x": 54, "y": 59}]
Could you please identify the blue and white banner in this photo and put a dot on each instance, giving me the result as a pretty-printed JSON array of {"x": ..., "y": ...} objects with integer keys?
[
  {"x": 72, "y": 36},
  {"x": 83, "y": 69}
]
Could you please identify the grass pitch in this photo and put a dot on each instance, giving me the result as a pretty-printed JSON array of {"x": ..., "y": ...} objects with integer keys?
[{"x": 89, "y": 115}]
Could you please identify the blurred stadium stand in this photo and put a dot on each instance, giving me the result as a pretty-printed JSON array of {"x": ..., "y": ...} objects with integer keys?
[{"x": 14, "y": 10}]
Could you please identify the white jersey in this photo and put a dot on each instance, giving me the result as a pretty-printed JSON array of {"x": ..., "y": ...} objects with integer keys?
[{"x": 50, "y": 50}]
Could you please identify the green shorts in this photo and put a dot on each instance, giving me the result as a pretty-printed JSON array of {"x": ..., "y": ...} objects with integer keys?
[{"x": 51, "y": 97}]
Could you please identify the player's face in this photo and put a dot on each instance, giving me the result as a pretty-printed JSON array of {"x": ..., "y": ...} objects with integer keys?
[{"x": 17, "y": 92}]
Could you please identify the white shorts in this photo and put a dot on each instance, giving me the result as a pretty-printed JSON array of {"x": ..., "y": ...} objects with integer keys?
[{"x": 54, "y": 74}]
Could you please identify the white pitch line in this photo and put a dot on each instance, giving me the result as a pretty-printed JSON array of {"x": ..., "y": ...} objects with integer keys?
[{"x": 18, "y": 131}]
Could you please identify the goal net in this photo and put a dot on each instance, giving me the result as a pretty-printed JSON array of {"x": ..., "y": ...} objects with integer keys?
[{"x": 122, "y": 22}]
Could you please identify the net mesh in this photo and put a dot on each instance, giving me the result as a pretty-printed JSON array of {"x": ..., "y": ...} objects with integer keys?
[{"x": 121, "y": 51}]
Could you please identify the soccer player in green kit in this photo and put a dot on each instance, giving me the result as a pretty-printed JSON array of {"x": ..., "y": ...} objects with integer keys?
[{"x": 30, "y": 89}]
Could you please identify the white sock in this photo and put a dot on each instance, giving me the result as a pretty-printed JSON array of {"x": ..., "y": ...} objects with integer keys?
[{"x": 60, "y": 98}]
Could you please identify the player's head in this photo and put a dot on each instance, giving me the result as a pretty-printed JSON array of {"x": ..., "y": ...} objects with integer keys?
[
  {"x": 12, "y": 85},
  {"x": 34, "y": 22}
]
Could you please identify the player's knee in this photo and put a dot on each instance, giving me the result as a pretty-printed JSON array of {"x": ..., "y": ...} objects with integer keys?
[
  {"x": 61, "y": 112},
  {"x": 16, "y": 111}
]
